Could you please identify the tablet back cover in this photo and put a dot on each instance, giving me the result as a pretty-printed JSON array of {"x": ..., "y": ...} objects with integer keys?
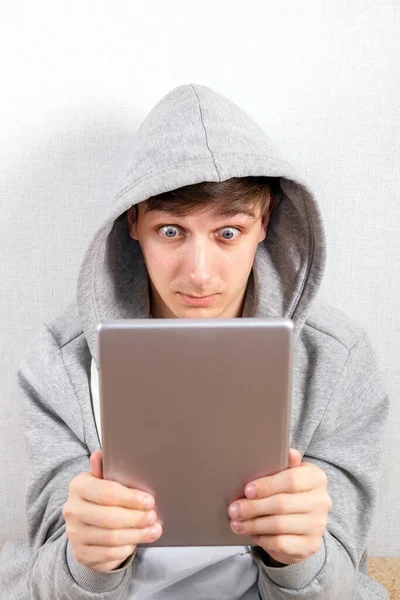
[{"x": 191, "y": 411}]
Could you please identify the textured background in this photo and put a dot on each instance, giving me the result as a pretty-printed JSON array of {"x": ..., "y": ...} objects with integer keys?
[{"x": 321, "y": 77}]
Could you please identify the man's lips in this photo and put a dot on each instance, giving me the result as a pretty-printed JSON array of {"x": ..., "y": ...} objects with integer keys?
[
  {"x": 198, "y": 300},
  {"x": 196, "y": 295}
]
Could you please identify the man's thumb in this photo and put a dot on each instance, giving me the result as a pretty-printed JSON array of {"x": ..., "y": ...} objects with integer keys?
[
  {"x": 294, "y": 458},
  {"x": 96, "y": 464}
]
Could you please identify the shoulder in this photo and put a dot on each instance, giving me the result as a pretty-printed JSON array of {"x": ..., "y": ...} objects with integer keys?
[
  {"x": 328, "y": 322},
  {"x": 66, "y": 327},
  {"x": 51, "y": 372},
  {"x": 51, "y": 336},
  {"x": 360, "y": 385}
]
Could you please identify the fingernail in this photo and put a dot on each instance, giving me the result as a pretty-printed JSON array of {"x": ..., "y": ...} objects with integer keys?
[
  {"x": 151, "y": 517},
  {"x": 234, "y": 511},
  {"x": 237, "y": 526},
  {"x": 251, "y": 491},
  {"x": 147, "y": 502},
  {"x": 155, "y": 532}
]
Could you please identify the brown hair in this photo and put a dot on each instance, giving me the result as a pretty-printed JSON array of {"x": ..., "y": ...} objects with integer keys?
[{"x": 235, "y": 195}]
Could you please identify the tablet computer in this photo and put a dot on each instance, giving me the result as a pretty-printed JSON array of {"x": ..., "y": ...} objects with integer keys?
[{"x": 191, "y": 411}]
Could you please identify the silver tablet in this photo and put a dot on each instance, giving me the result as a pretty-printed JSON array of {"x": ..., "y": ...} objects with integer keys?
[{"x": 191, "y": 411}]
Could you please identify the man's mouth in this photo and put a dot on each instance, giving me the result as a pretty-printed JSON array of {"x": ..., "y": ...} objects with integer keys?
[{"x": 194, "y": 300}]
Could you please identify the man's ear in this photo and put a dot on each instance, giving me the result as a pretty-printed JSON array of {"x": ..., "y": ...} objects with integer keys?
[
  {"x": 132, "y": 215},
  {"x": 265, "y": 220},
  {"x": 267, "y": 215}
]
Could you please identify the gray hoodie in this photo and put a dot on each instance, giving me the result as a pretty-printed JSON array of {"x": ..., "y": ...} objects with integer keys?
[{"x": 339, "y": 407}]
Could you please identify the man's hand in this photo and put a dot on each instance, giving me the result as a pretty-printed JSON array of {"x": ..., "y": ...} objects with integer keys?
[
  {"x": 286, "y": 513},
  {"x": 106, "y": 520}
]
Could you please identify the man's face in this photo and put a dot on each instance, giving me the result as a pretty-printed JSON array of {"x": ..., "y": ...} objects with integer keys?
[{"x": 198, "y": 264}]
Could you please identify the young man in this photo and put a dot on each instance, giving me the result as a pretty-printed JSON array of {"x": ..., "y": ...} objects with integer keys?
[{"x": 210, "y": 222}]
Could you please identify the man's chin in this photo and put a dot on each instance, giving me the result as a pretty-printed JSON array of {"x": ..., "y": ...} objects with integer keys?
[
  {"x": 182, "y": 311},
  {"x": 189, "y": 312},
  {"x": 179, "y": 309}
]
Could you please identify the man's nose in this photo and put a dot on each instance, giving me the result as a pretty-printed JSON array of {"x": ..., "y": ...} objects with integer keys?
[{"x": 199, "y": 263}]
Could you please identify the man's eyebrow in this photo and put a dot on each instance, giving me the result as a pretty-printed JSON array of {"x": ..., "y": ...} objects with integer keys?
[
  {"x": 236, "y": 213},
  {"x": 228, "y": 212}
]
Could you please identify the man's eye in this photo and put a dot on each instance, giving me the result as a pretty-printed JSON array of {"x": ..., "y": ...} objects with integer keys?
[
  {"x": 170, "y": 231},
  {"x": 229, "y": 233}
]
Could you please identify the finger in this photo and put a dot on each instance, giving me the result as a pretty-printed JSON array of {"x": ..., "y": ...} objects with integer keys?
[
  {"x": 96, "y": 464},
  {"x": 294, "y": 458},
  {"x": 112, "y": 517},
  {"x": 245, "y": 509},
  {"x": 111, "y": 493},
  {"x": 280, "y": 525},
  {"x": 142, "y": 520},
  {"x": 96, "y": 536},
  {"x": 304, "y": 478}
]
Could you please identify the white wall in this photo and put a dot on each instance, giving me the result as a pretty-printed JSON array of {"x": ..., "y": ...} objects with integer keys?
[{"x": 77, "y": 77}]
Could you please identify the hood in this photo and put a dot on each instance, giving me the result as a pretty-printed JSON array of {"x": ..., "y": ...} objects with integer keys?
[{"x": 195, "y": 134}]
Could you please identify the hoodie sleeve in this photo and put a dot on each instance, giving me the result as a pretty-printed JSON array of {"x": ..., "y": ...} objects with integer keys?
[
  {"x": 56, "y": 453},
  {"x": 348, "y": 445}
]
